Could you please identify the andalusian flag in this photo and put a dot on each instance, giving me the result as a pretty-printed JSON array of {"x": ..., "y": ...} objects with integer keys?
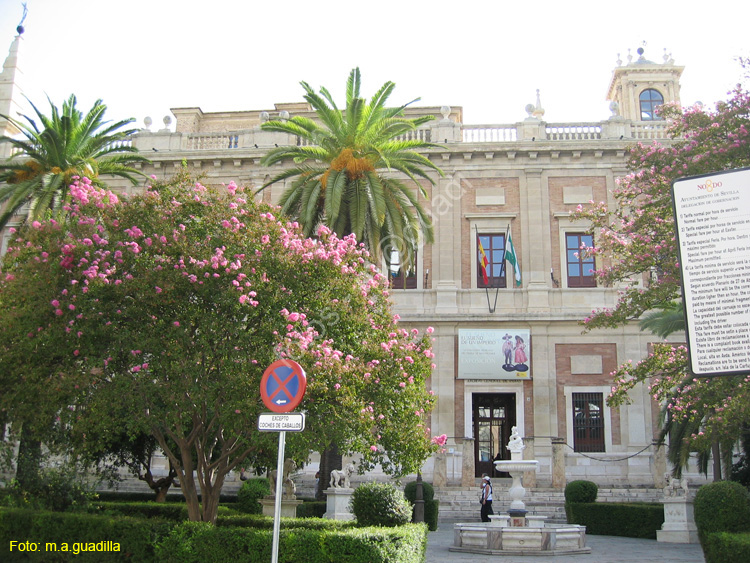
[
  {"x": 510, "y": 256},
  {"x": 483, "y": 262}
]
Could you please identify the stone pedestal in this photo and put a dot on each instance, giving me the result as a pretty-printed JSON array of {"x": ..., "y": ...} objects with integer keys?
[
  {"x": 288, "y": 507},
  {"x": 337, "y": 507},
  {"x": 679, "y": 523},
  {"x": 440, "y": 471}
]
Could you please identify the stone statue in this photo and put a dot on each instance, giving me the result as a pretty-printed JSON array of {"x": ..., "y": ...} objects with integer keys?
[
  {"x": 289, "y": 489},
  {"x": 515, "y": 445},
  {"x": 676, "y": 487},
  {"x": 341, "y": 479}
]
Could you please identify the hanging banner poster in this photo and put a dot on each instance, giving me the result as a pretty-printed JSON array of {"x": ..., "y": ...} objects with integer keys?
[
  {"x": 712, "y": 217},
  {"x": 494, "y": 354}
]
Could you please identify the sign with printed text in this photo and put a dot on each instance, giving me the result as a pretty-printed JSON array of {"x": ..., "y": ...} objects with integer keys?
[
  {"x": 281, "y": 422},
  {"x": 712, "y": 217},
  {"x": 283, "y": 385},
  {"x": 494, "y": 354}
]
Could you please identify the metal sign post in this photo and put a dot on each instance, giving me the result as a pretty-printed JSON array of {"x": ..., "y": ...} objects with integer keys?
[
  {"x": 282, "y": 387},
  {"x": 277, "y": 504}
]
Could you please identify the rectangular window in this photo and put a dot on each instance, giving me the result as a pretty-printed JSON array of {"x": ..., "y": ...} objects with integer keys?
[
  {"x": 491, "y": 253},
  {"x": 580, "y": 267},
  {"x": 402, "y": 276},
  {"x": 588, "y": 422}
]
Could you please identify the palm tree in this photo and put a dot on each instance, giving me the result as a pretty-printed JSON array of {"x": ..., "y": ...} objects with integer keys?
[
  {"x": 64, "y": 145},
  {"x": 663, "y": 322},
  {"x": 341, "y": 167}
]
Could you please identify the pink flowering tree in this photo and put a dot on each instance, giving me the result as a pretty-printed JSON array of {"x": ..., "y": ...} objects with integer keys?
[
  {"x": 159, "y": 314},
  {"x": 635, "y": 241}
]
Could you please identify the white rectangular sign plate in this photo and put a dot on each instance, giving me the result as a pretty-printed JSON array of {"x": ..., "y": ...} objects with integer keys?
[
  {"x": 278, "y": 422},
  {"x": 712, "y": 217}
]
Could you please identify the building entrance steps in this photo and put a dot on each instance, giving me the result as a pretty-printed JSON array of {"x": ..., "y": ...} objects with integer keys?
[{"x": 462, "y": 503}]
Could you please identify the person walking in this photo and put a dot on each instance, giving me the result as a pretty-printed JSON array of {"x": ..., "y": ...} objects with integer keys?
[{"x": 486, "y": 498}]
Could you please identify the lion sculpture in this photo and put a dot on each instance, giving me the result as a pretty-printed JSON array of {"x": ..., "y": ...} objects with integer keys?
[
  {"x": 289, "y": 488},
  {"x": 342, "y": 478}
]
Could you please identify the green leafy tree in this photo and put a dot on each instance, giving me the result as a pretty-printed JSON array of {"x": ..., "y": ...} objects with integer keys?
[
  {"x": 172, "y": 304},
  {"x": 635, "y": 240},
  {"x": 343, "y": 170},
  {"x": 61, "y": 146}
]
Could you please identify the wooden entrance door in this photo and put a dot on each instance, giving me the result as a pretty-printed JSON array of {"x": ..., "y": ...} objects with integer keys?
[{"x": 493, "y": 416}]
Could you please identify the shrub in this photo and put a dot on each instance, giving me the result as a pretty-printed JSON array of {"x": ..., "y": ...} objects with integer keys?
[
  {"x": 723, "y": 547},
  {"x": 630, "y": 520},
  {"x": 56, "y": 488},
  {"x": 135, "y": 536},
  {"x": 250, "y": 493},
  {"x": 410, "y": 492},
  {"x": 380, "y": 504},
  {"x": 202, "y": 543},
  {"x": 581, "y": 491},
  {"x": 723, "y": 506}
]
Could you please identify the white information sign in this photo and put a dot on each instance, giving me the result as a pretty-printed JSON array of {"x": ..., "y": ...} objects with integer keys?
[
  {"x": 494, "y": 354},
  {"x": 281, "y": 422},
  {"x": 712, "y": 216}
]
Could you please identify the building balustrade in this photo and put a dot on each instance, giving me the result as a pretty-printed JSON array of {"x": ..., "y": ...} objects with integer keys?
[{"x": 441, "y": 132}]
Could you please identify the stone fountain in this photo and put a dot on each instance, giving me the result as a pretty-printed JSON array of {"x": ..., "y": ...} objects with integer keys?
[{"x": 517, "y": 532}]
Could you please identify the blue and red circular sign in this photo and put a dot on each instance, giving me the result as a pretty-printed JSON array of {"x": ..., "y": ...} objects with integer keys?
[{"x": 283, "y": 385}]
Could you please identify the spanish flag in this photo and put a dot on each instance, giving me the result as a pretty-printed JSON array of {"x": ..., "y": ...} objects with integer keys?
[{"x": 483, "y": 262}]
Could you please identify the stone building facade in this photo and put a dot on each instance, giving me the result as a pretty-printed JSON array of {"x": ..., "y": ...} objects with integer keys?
[{"x": 515, "y": 181}]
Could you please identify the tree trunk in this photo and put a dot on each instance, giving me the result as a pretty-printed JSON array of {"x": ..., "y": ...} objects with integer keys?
[
  {"x": 716, "y": 455},
  {"x": 29, "y": 459},
  {"x": 330, "y": 459}
]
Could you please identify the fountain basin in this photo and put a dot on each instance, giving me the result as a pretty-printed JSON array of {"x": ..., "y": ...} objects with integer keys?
[
  {"x": 516, "y": 465},
  {"x": 552, "y": 539}
]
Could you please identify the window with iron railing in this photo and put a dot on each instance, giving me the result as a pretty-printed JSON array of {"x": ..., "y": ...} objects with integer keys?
[{"x": 588, "y": 422}]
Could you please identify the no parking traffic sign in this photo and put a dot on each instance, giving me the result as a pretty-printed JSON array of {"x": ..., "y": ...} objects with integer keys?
[{"x": 283, "y": 385}]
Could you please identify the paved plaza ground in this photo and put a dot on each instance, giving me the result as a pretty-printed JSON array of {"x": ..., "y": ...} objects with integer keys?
[{"x": 604, "y": 549}]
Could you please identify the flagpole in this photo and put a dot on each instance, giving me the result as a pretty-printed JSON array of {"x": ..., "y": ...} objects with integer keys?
[{"x": 486, "y": 285}]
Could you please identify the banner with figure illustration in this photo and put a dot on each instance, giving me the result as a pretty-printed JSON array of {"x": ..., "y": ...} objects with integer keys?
[{"x": 494, "y": 354}]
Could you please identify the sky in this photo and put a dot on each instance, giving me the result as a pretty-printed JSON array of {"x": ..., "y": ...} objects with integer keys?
[{"x": 143, "y": 57}]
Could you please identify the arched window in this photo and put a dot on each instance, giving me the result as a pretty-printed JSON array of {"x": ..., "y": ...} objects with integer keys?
[{"x": 650, "y": 100}]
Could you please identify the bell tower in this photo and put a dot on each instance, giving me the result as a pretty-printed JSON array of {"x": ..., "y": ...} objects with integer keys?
[{"x": 640, "y": 86}]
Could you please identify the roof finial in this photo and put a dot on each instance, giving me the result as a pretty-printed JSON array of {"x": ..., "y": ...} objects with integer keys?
[{"x": 20, "y": 28}]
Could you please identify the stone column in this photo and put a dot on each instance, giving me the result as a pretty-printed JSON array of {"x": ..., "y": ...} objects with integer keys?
[
  {"x": 658, "y": 464},
  {"x": 467, "y": 465},
  {"x": 440, "y": 471},
  {"x": 529, "y": 477},
  {"x": 558, "y": 463}
]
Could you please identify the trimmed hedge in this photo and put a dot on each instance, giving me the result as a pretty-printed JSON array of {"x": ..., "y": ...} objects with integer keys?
[
  {"x": 431, "y": 504},
  {"x": 312, "y": 509},
  {"x": 630, "y": 520},
  {"x": 380, "y": 504},
  {"x": 581, "y": 491},
  {"x": 175, "y": 495},
  {"x": 169, "y": 511},
  {"x": 197, "y": 542},
  {"x": 723, "y": 506},
  {"x": 136, "y": 536},
  {"x": 725, "y": 547},
  {"x": 266, "y": 522},
  {"x": 410, "y": 491}
]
